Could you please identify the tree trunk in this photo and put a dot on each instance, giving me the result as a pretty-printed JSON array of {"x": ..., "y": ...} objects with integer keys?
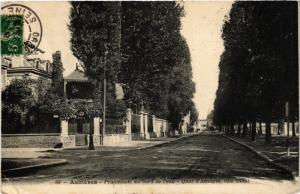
[
  {"x": 268, "y": 137},
  {"x": 260, "y": 128},
  {"x": 253, "y": 131},
  {"x": 244, "y": 130},
  {"x": 280, "y": 127},
  {"x": 231, "y": 129},
  {"x": 239, "y": 130},
  {"x": 293, "y": 128},
  {"x": 91, "y": 140}
]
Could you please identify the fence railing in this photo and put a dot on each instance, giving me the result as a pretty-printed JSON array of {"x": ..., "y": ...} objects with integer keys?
[
  {"x": 148, "y": 125},
  {"x": 135, "y": 123},
  {"x": 114, "y": 126}
]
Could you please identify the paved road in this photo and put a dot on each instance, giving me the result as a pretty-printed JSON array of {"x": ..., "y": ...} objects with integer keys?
[{"x": 198, "y": 157}]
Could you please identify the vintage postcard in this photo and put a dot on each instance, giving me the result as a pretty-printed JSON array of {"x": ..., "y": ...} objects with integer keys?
[{"x": 149, "y": 97}]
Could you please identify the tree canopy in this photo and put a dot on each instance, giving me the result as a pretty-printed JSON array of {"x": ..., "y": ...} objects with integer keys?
[
  {"x": 156, "y": 65},
  {"x": 257, "y": 69}
]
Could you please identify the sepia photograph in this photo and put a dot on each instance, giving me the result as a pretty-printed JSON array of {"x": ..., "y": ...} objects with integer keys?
[{"x": 134, "y": 97}]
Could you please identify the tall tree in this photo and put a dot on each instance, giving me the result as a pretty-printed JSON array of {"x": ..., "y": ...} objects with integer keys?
[
  {"x": 149, "y": 30},
  {"x": 57, "y": 73},
  {"x": 259, "y": 35},
  {"x": 95, "y": 40},
  {"x": 157, "y": 66}
]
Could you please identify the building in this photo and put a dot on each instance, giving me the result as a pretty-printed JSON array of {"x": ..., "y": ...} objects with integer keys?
[
  {"x": 202, "y": 124},
  {"x": 20, "y": 67},
  {"x": 76, "y": 131},
  {"x": 185, "y": 123}
]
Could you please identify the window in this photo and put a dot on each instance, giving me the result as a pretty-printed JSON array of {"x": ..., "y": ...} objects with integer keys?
[{"x": 37, "y": 64}]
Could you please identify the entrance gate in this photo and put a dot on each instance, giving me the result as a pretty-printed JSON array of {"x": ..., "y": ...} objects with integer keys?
[{"x": 80, "y": 127}]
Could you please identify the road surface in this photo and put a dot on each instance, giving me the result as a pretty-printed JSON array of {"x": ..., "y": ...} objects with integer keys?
[{"x": 207, "y": 156}]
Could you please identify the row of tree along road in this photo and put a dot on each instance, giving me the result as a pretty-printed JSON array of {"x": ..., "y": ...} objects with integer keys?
[
  {"x": 258, "y": 80},
  {"x": 138, "y": 44}
]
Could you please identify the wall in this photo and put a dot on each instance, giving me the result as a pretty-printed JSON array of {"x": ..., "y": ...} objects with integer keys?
[
  {"x": 115, "y": 139},
  {"x": 30, "y": 140},
  {"x": 160, "y": 127},
  {"x": 137, "y": 136}
]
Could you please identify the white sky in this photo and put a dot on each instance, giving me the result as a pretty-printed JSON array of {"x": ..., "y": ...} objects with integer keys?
[{"x": 201, "y": 28}]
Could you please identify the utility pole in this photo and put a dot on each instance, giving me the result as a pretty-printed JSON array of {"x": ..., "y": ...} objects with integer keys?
[{"x": 104, "y": 96}]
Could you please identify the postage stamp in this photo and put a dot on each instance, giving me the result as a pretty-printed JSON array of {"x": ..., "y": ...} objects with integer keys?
[
  {"x": 31, "y": 28},
  {"x": 11, "y": 34}
]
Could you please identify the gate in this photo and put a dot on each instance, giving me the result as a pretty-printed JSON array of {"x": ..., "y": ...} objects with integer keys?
[
  {"x": 135, "y": 123},
  {"x": 81, "y": 139},
  {"x": 150, "y": 124},
  {"x": 80, "y": 127}
]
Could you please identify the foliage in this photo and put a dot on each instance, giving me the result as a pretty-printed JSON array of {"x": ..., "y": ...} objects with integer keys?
[
  {"x": 96, "y": 42},
  {"x": 53, "y": 104},
  {"x": 257, "y": 67},
  {"x": 95, "y": 37},
  {"x": 156, "y": 65},
  {"x": 17, "y": 101},
  {"x": 57, "y": 73},
  {"x": 194, "y": 115}
]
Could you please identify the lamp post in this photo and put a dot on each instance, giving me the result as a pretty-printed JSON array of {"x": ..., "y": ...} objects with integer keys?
[{"x": 91, "y": 140}]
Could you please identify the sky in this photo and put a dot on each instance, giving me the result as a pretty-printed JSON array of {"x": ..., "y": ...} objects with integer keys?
[{"x": 201, "y": 27}]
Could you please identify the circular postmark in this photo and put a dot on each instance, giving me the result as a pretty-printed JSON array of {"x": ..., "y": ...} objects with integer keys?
[{"x": 33, "y": 29}]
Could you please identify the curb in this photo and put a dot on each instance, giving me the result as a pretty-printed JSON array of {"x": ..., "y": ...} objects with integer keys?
[
  {"x": 36, "y": 166},
  {"x": 136, "y": 148},
  {"x": 167, "y": 142},
  {"x": 266, "y": 158}
]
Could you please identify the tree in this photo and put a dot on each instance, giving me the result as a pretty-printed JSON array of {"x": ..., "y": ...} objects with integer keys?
[
  {"x": 17, "y": 101},
  {"x": 194, "y": 115},
  {"x": 150, "y": 39},
  {"x": 57, "y": 74},
  {"x": 95, "y": 38},
  {"x": 156, "y": 66},
  {"x": 181, "y": 86},
  {"x": 96, "y": 41},
  {"x": 258, "y": 39}
]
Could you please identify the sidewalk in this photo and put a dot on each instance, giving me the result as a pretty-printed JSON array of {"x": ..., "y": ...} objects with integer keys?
[
  {"x": 24, "y": 152},
  {"x": 18, "y": 160},
  {"x": 277, "y": 151},
  {"x": 136, "y": 144}
]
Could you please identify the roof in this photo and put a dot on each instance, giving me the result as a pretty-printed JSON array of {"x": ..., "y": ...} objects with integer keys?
[
  {"x": 5, "y": 62},
  {"x": 76, "y": 75}
]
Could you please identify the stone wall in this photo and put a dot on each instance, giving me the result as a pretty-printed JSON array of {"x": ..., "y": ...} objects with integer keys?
[
  {"x": 115, "y": 139},
  {"x": 30, "y": 140},
  {"x": 160, "y": 127},
  {"x": 137, "y": 136}
]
